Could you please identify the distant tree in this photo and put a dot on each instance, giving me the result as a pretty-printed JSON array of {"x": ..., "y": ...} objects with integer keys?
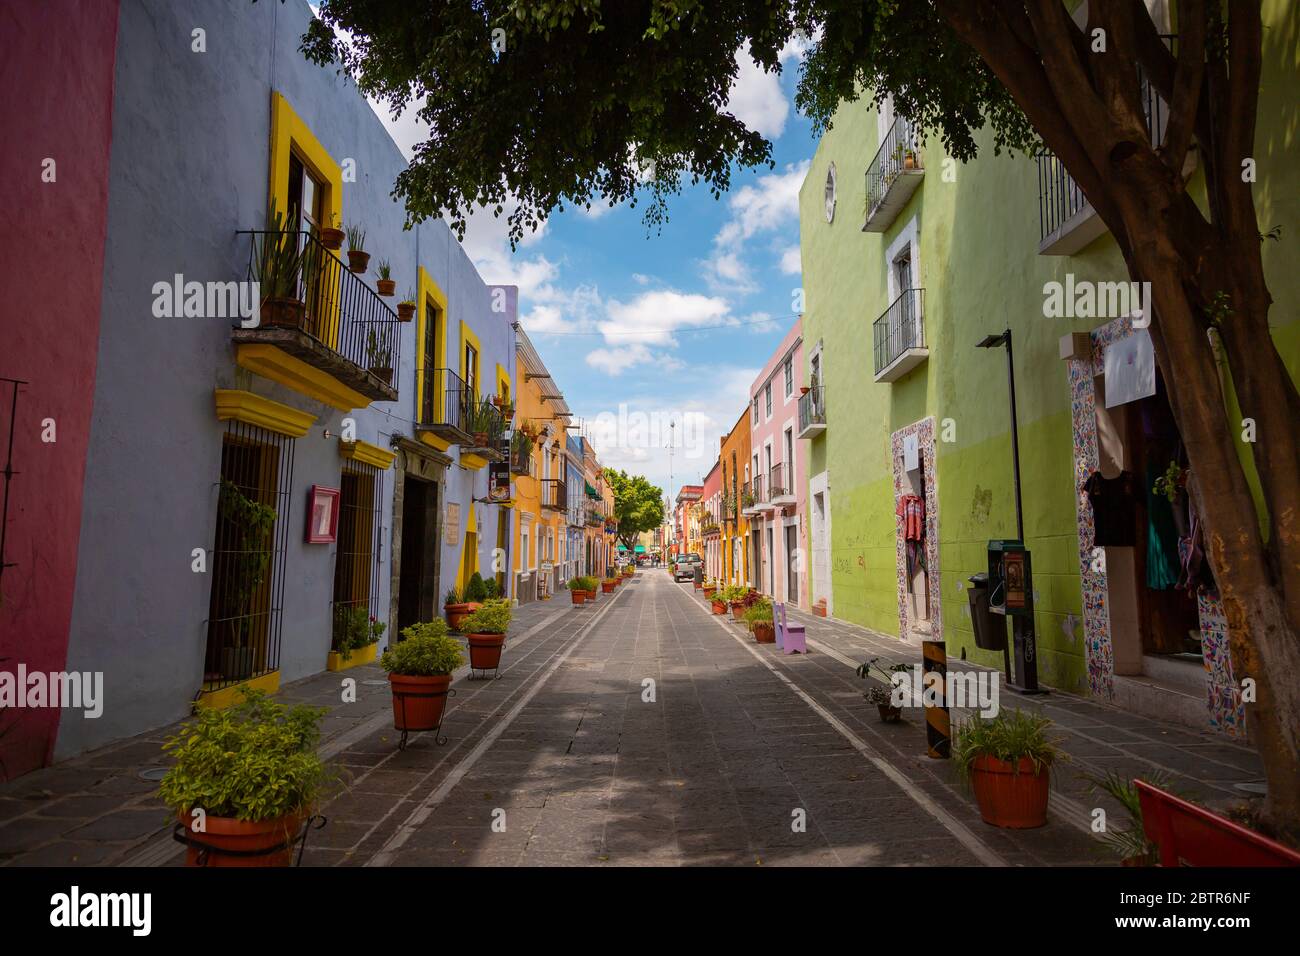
[
  {"x": 574, "y": 102},
  {"x": 638, "y": 505}
]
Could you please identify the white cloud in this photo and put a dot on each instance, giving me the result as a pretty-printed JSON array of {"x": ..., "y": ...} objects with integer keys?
[
  {"x": 652, "y": 317},
  {"x": 791, "y": 263},
  {"x": 613, "y": 361},
  {"x": 768, "y": 204},
  {"x": 756, "y": 98}
]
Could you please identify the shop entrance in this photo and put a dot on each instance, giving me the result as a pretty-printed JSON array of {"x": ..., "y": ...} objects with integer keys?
[{"x": 417, "y": 585}]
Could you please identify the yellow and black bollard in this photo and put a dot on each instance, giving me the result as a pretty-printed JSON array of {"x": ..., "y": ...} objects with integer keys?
[{"x": 934, "y": 660}]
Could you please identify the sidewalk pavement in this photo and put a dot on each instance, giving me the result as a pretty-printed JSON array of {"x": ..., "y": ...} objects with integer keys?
[
  {"x": 1097, "y": 737},
  {"x": 96, "y": 810}
]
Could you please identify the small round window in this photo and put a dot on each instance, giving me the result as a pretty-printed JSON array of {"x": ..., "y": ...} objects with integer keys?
[{"x": 830, "y": 193}]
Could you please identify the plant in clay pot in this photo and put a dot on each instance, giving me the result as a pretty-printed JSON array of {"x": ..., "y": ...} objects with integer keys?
[
  {"x": 282, "y": 267},
  {"x": 881, "y": 691},
  {"x": 457, "y": 605},
  {"x": 385, "y": 284},
  {"x": 358, "y": 258},
  {"x": 608, "y": 585},
  {"x": 1129, "y": 843},
  {"x": 406, "y": 308},
  {"x": 332, "y": 236},
  {"x": 245, "y": 781},
  {"x": 485, "y": 630},
  {"x": 419, "y": 668},
  {"x": 1008, "y": 761},
  {"x": 759, "y": 618}
]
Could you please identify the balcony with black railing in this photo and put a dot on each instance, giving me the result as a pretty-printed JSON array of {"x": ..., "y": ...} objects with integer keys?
[
  {"x": 595, "y": 516},
  {"x": 315, "y": 311},
  {"x": 521, "y": 454},
  {"x": 894, "y": 174},
  {"x": 899, "y": 336},
  {"x": 752, "y": 497},
  {"x": 486, "y": 425},
  {"x": 444, "y": 406},
  {"x": 555, "y": 497},
  {"x": 1067, "y": 222},
  {"x": 779, "y": 486},
  {"x": 812, "y": 412}
]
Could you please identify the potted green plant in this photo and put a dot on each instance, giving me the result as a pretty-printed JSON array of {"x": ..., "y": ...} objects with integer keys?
[
  {"x": 457, "y": 606},
  {"x": 419, "y": 672},
  {"x": 385, "y": 284},
  {"x": 718, "y": 602},
  {"x": 406, "y": 308},
  {"x": 1008, "y": 761},
  {"x": 759, "y": 618},
  {"x": 577, "y": 590},
  {"x": 485, "y": 630},
  {"x": 589, "y": 585},
  {"x": 881, "y": 691},
  {"x": 1129, "y": 843},
  {"x": 608, "y": 585},
  {"x": 245, "y": 780},
  {"x": 738, "y": 600},
  {"x": 356, "y": 634},
  {"x": 379, "y": 354},
  {"x": 282, "y": 265},
  {"x": 710, "y": 588},
  {"x": 332, "y": 236},
  {"x": 358, "y": 258}
]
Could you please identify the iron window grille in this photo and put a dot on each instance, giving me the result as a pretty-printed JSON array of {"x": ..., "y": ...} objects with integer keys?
[
  {"x": 355, "y": 604},
  {"x": 248, "y": 555}
]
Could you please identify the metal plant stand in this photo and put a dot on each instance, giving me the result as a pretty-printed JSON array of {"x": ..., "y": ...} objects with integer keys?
[
  {"x": 182, "y": 834},
  {"x": 437, "y": 731}
]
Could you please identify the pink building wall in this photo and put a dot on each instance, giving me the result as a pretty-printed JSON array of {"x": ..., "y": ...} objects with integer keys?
[
  {"x": 710, "y": 498},
  {"x": 787, "y": 549}
]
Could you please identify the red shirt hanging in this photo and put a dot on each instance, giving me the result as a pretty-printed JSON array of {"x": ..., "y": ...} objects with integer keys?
[{"x": 912, "y": 510}]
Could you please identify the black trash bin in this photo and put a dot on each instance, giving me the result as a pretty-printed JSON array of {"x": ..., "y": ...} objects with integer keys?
[
  {"x": 699, "y": 575},
  {"x": 990, "y": 628}
]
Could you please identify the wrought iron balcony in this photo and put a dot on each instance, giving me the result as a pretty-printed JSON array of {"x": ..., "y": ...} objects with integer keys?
[
  {"x": 317, "y": 311},
  {"x": 727, "y": 508},
  {"x": 521, "y": 454},
  {"x": 1066, "y": 220},
  {"x": 812, "y": 412},
  {"x": 893, "y": 175},
  {"x": 780, "y": 490},
  {"x": 752, "y": 496},
  {"x": 595, "y": 517},
  {"x": 444, "y": 406},
  {"x": 555, "y": 497},
  {"x": 900, "y": 336},
  {"x": 485, "y": 425}
]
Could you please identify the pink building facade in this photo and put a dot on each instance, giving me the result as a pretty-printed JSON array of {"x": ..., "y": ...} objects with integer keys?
[
  {"x": 777, "y": 504},
  {"x": 710, "y": 521}
]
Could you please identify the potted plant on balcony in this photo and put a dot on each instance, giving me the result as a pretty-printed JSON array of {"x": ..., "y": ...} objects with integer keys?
[
  {"x": 358, "y": 258},
  {"x": 909, "y": 158},
  {"x": 406, "y": 308},
  {"x": 485, "y": 630},
  {"x": 577, "y": 591},
  {"x": 759, "y": 619},
  {"x": 245, "y": 781},
  {"x": 881, "y": 691},
  {"x": 1008, "y": 762},
  {"x": 385, "y": 284},
  {"x": 281, "y": 265},
  {"x": 457, "y": 606},
  {"x": 419, "y": 672},
  {"x": 331, "y": 236},
  {"x": 379, "y": 355}
]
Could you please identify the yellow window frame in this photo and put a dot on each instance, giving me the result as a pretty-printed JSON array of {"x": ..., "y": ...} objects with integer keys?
[
  {"x": 467, "y": 337},
  {"x": 428, "y": 293},
  {"x": 290, "y": 136}
]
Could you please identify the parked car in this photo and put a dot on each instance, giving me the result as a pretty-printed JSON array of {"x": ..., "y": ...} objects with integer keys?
[{"x": 684, "y": 568}]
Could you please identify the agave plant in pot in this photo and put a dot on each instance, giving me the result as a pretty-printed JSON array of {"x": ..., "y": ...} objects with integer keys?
[
  {"x": 379, "y": 354},
  {"x": 486, "y": 631},
  {"x": 358, "y": 258},
  {"x": 385, "y": 285},
  {"x": 1008, "y": 761},
  {"x": 282, "y": 265},
  {"x": 419, "y": 672},
  {"x": 881, "y": 692},
  {"x": 460, "y": 602},
  {"x": 1129, "y": 843},
  {"x": 331, "y": 236},
  {"x": 406, "y": 308},
  {"x": 245, "y": 782},
  {"x": 759, "y": 618}
]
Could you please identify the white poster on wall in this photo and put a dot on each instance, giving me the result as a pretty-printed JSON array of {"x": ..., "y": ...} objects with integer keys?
[
  {"x": 911, "y": 452},
  {"x": 452, "y": 523},
  {"x": 1130, "y": 369}
]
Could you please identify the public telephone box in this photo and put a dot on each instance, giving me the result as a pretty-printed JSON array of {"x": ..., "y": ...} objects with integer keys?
[{"x": 1011, "y": 586}]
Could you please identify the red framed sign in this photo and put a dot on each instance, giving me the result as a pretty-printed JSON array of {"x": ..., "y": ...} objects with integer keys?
[{"x": 322, "y": 515}]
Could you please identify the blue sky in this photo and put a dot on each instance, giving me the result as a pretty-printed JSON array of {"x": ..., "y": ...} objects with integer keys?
[{"x": 627, "y": 319}]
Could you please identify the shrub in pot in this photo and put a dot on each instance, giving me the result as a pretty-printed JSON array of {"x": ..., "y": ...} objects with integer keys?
[
  {"x": 1008, "y": 761},
  {"x": 881, "y": 691},
  {"x": 355, "y": 629},
  {"x": 710, "y": 589},
  {"x": 254, "y": 773},
  {"x": 419, "y": 672},
  {"x": 486, "y": 631},
  {"x": 457, "y": 606},
  {"x": 608, "y": 585},
  {"x": 759, "y": 619},
  {"x": 589, "y": 585},
  {"x": 577, "y": 591}
]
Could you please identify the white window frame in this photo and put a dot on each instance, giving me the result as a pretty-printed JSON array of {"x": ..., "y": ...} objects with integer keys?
[{"x": 787, "y": 370}]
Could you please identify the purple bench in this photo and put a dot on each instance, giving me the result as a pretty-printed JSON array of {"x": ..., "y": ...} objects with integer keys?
[{"x": 789, "y": 637}]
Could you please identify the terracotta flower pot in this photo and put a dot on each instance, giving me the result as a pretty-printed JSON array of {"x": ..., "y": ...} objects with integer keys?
[
  {"x": 909, "y": 162},
  {"x": 332, "y": 238},
  {"x": 591, "y": 595},
  {"x": 456, "y": 613},
  {"x": 480, "y": 439},
  {"x": 418, "y": 702},
  {"x": 579, "y": 597},
  {"x": 764, "y": 632},
  {"x": 384, "y": 373},
  {"x": 485, "y": 651},
  {"x": 386, "y": 286},
  {"x": 738, "y": 609},
  {"x": 264, "y": 840},
  {"x": 888, "y": 714},
  {"x": 358, "y": 262},
  {"x": 1017, "y": 801},
  {"x": 608, "y": 586},
  {"x": 719, "y": 607},
  {"x": 709, "y": 592},
  {"x": 283, "y": 313},
  {"x": 405, "y": 311}
]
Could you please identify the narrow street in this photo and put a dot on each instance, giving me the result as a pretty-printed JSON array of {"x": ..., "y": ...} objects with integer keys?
[{"x": 645, "y": 732}]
